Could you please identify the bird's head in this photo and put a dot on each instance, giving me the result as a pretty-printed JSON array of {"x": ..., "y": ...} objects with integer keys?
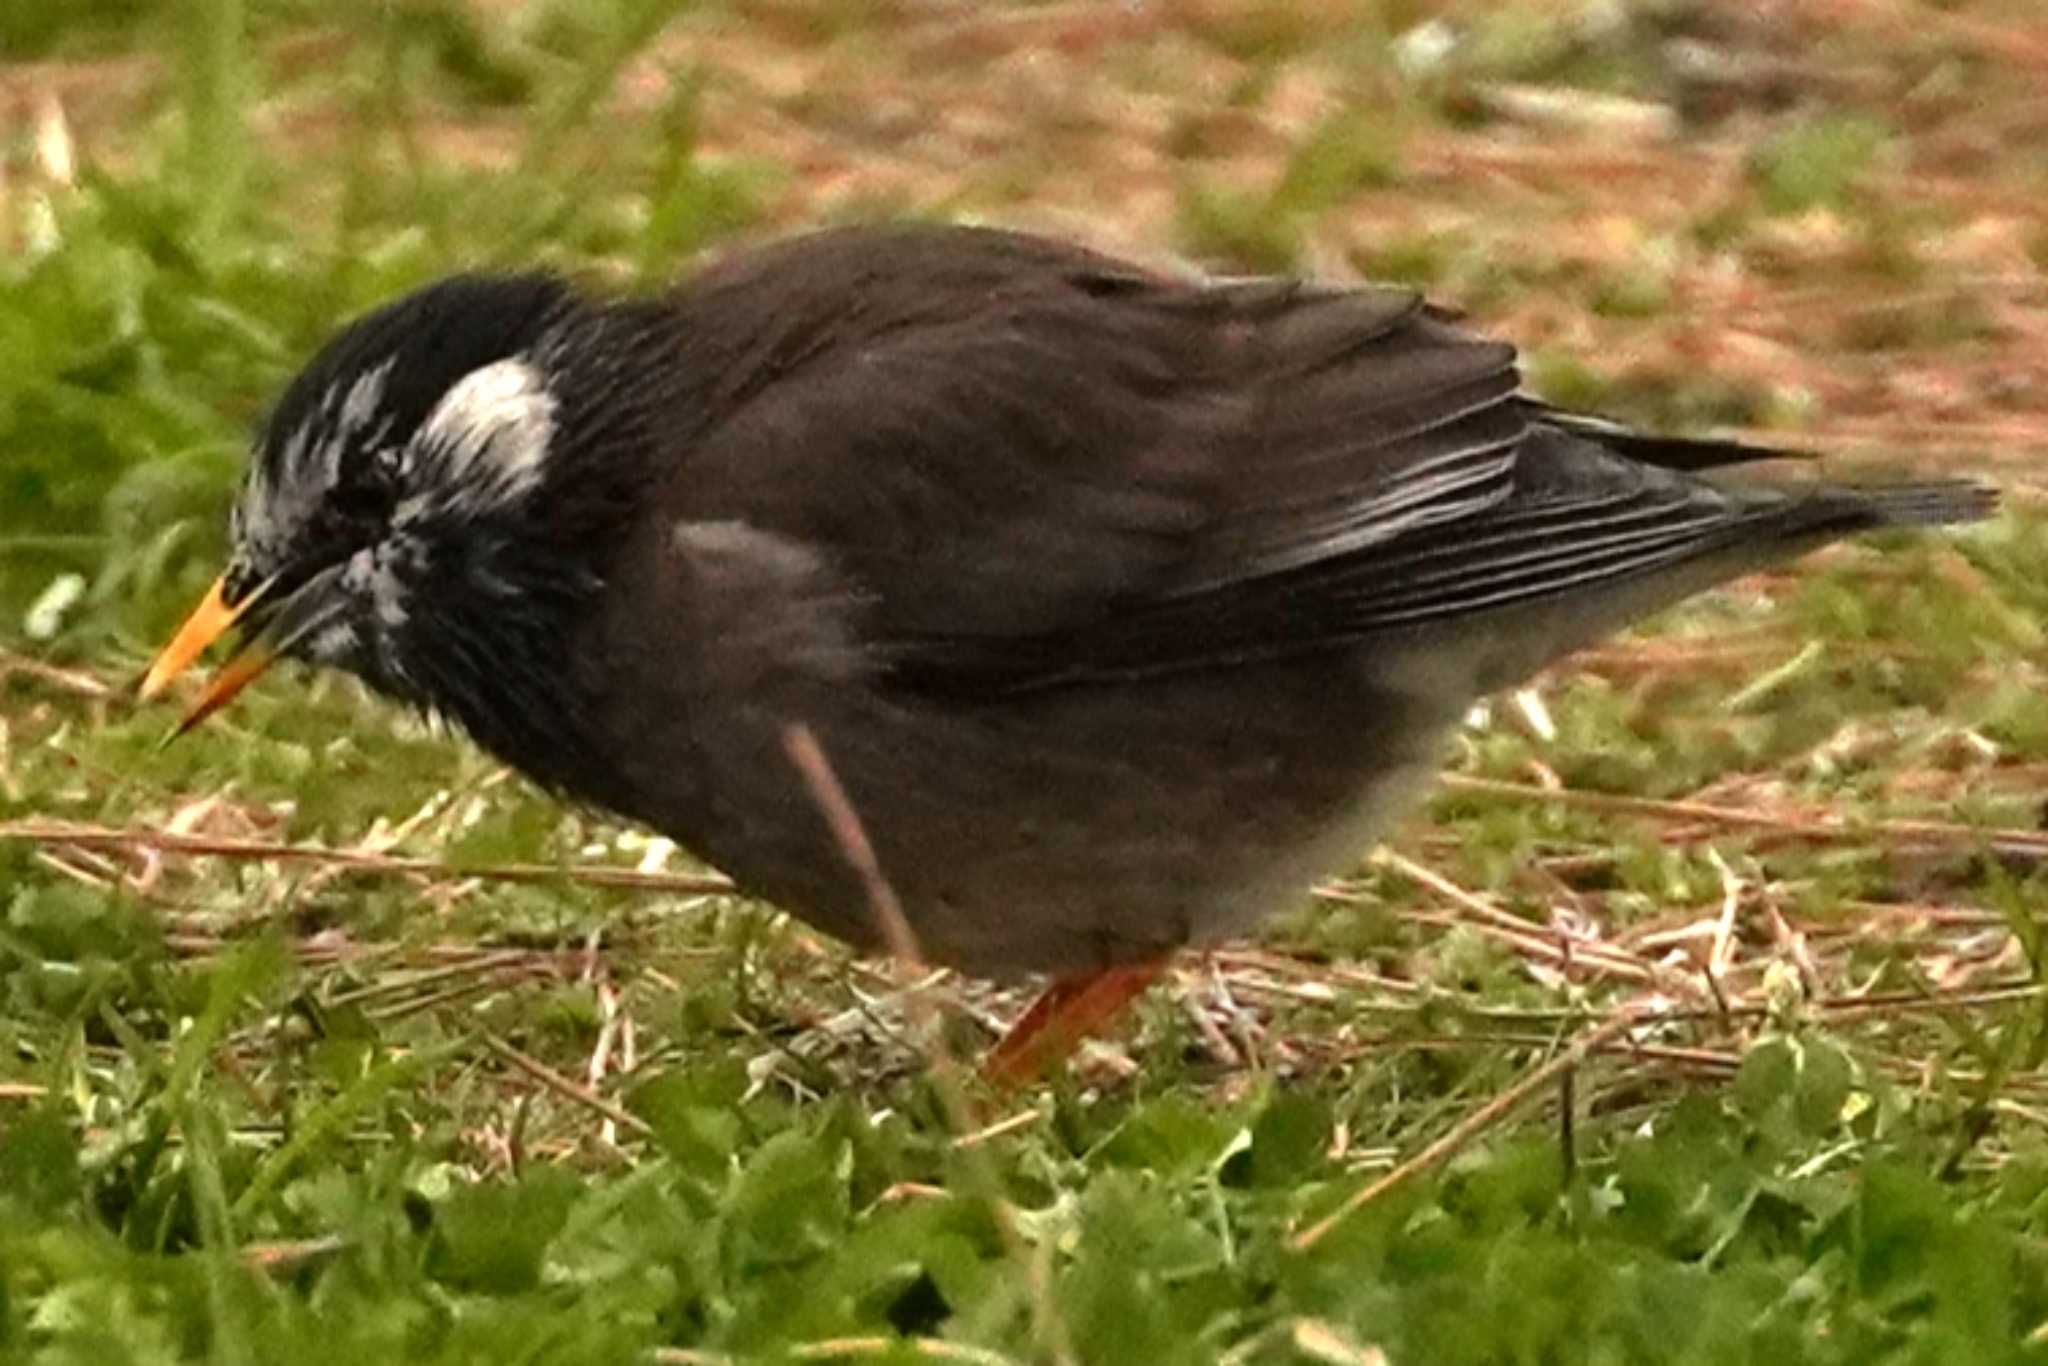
[{"x": 410, "y": 510}]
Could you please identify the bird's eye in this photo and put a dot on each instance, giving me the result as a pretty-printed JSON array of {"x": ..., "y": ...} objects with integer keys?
[{"x": 360, "y": 502}]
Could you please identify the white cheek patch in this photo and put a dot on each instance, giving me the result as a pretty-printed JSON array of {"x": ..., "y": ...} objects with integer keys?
[{"x": 485, "y": 444}]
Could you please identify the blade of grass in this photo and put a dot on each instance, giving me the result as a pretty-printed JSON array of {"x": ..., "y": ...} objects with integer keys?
[
  {"x": 541, "y": 156},
  {"x": 232, "y": 1338},
  {"x": 214, "y": 70},
  {"x": 242, "y": 974},
  {"x": 332, "y": 1116}
]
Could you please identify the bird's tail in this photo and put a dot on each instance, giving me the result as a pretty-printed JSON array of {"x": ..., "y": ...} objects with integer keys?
[
  {"x": 1939, "y": 502},
  {"x": 1759, "y": 527}
]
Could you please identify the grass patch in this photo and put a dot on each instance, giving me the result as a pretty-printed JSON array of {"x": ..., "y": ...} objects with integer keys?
[{"x": 1816, "y": 163}]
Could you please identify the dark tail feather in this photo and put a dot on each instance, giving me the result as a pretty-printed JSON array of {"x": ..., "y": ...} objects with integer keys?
[
  {"x": 1591, "y": 598},
  {"x": 1937, "y": 502}
]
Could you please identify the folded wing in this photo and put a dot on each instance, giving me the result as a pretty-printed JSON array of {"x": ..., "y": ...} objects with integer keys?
[{"x": 1039, "y": 466}]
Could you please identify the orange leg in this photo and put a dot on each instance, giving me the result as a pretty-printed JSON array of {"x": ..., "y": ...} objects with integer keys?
[{"x": 1071, "y": 1009}]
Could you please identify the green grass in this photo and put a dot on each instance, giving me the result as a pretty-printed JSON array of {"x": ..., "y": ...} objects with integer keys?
[{"x": 256, "y": 1109}]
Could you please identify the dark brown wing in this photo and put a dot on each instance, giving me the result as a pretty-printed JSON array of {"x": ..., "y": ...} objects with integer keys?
[
  {"x": 1038, "y": 465},
  {"x": 1002, "y": 438}
]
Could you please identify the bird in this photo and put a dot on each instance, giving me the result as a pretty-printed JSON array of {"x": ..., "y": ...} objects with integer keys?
[{"x": 1125, "y": 601}]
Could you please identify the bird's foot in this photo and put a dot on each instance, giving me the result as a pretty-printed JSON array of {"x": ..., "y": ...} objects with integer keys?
[{"x": 1069, "y": 1011}]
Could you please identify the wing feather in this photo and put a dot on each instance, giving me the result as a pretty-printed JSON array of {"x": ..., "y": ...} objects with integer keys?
[{"x": 1039, "y": 466}]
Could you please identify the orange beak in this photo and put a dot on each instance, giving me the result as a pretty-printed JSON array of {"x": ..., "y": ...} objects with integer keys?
[{"x": 209, "y": 620}]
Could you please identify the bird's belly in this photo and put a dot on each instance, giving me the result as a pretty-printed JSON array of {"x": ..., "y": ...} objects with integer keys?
[
  {"x": 1322, "y": 851},
  {"x": 1070, "y": 831},
  {"x": 1094, "y": 873}
]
